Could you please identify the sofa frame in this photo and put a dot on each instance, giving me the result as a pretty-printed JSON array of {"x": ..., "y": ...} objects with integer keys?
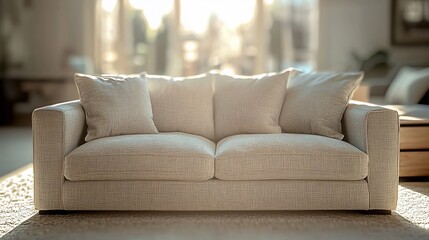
[{"x": 60, "y": 128}]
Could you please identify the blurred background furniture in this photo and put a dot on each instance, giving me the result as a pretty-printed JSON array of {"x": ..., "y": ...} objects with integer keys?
[
  {"x": 405, "y": 88},
  {"x": 414, "y": 140},
  {"x": 402, "y": 85}
]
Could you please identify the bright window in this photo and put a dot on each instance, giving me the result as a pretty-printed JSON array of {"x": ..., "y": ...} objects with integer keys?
[{"x": 187, "y": 37}]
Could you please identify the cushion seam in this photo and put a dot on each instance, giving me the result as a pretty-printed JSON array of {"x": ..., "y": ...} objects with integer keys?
[
  {"x": 287, "y": 154},
  {"x": 133, "y": 155}
]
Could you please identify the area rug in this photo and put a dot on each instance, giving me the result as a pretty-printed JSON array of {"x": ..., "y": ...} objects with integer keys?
[{"x": 19, "y": 220}]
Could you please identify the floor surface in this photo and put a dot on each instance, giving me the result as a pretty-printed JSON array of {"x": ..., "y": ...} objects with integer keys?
[
  {"x": 19, "y": 219},
  {"x": 16, "y": 147}
]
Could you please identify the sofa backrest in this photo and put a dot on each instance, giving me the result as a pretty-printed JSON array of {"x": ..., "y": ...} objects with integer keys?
[
  {"x": 183, "y": 104},
  {"x": 215, "y": 105},
  {"x": 248, "y": 104}
]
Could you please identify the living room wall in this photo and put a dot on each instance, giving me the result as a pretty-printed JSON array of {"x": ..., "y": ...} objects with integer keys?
[
  {"x": 363, "y": 27},
  {"x": 44, "y": 35},
  {"x": 52, "y": 36}
]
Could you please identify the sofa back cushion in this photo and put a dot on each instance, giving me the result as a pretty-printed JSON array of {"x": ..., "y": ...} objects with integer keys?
[
  {"x": 115, "y": 105},
  {"x": 315, "y": 102},
  {"x": 249, "y": 104},
  {"x": 182, "y": 104}
]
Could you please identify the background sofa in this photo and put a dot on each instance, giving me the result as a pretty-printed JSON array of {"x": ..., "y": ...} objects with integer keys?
[
  {"x": 404, "y": 88},
  {"x": 181, "y": 171}
]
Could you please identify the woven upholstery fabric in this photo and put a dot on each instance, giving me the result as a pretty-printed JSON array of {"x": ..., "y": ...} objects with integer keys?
[
  {"x": 216, "y": 194},
  {"x": 164, "y": 156},
  {"x": 57, "y": 130},
  {"x": 115, "y": 105},
  {"x": 183, "y": 104},
  {"x": 288, "y": 156},
  {"x": 315, "y": 102},
  {"x": 248, "y": 104},
  {"x": 375, "y": 130}
]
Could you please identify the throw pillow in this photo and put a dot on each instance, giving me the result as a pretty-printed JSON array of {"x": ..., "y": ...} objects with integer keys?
[
  {"x": 183, "y": 104},
  {"x": 248, "y": 104},
  {"x": 115, "y": 105},
  {"x": 408, "y": 87},
  {"x": 315, "y": 102}
]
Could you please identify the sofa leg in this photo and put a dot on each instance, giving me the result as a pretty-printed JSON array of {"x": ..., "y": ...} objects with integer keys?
[{"x": 377, "y": 212}]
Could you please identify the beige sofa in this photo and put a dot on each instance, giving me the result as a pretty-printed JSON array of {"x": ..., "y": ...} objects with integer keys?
[{"x": 185, "y": 172}]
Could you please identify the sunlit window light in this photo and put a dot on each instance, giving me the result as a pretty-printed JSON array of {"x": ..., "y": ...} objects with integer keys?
[
  {"x": 222, "y": 34},
  {"x": 228, "y": 69},
  {"x": 190, "y": 49},
  {"x": 234, "y": 13},
  {"x": 191, "y": 56},
  {"x": 196, "y": 13},
  {"x": 154, "y": 10},
  {"x": 110, "y": 56},
  {"x": 109, "y": 5},
  {"x": 190, "y": 46}
]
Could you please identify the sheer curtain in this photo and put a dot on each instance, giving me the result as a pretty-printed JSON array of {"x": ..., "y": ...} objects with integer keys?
[
  {"x": 113, "y": 49},
  {"x": 187, "y": 37}
]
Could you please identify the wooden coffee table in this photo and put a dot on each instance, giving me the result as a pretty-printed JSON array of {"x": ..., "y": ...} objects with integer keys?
[{"x": 414, "y": 140}]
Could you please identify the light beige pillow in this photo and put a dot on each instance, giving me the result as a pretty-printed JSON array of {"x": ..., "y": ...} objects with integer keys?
[
  {"x": 115, "y": 105},
  {"x": 183, "y": 104},
  {"x": 248, "y": 104},
  {"x": 408, "y": 87},
  {"x": 315, "y": 102}
]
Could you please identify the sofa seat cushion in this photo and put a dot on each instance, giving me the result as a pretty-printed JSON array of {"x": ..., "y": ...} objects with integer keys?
[
  {"x": 288, "y": 156},
  {"x": 164, "y": 156}
]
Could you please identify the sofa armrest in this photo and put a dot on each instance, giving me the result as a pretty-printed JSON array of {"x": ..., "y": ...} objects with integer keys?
[
  {"x": 57, "y": 130},
  {"x": 375, "y": 131}
]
